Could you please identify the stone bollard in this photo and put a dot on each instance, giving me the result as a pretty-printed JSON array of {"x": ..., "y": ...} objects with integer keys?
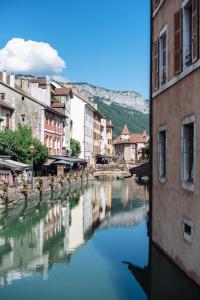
[
  {"x": 25, "y": 189},
  {"x": 40, "y": 187}
]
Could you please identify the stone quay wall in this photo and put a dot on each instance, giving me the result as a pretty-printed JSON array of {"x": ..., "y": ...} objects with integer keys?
[{"x": 10, "y": 196}]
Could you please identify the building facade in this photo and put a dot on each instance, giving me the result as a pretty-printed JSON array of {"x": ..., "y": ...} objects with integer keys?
[
  {"x": 89, "y": 125},
  {"x": 18, "y": 107},
  {"x": 176, "y": 132},
  {"x": 63, "y": 94},
  {"x": 97, "y": 133},
  {"x": 78, "y": 121},
  {"x": 109, "y": 133},
  {"x": 130, "y": 147}
]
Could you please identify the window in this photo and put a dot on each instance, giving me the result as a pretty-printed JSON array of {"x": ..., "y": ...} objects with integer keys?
[
  {"x": 22, "y": 97},
  {"x": 188, "y": 150},
  {"x": 187, "y": 230},
  {"x": 162, "y": 140},
  {"x": 163, "y": 57},
  {"x": 187, "y": 34},
  {"x": 2, "y": 96},
  {"x": 23, "y": 118},
  {"x": 160, "y": 59}
]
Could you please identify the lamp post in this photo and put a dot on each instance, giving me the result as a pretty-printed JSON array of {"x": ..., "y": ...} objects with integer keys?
[{"x": 32, "y": 150}]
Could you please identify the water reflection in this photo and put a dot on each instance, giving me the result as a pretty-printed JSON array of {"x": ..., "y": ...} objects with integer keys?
[
  {"x": 160, "y": 279},
  {"x": 36, "y": 236},
  {"x": 86, "y": 243}
]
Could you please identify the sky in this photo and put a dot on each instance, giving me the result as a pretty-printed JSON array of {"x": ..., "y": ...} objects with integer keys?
[{"x": 102, "y": 42}]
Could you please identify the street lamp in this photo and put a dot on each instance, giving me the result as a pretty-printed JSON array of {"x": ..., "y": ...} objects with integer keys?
[{"x": 32, "y": 150}]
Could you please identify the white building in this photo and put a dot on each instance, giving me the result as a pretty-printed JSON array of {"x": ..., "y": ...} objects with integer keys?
[
  {"x": 104, "y": 140},
  {"x": 82, "y": 124},
  {"x": 78, "y": 121}
]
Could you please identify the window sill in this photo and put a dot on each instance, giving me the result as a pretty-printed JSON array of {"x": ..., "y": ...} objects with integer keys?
[
  {"x": 189, "y": 186},
  {"x": 187, "y": 237},
  {"x": 162, "y": 179},
  {"x": 176, "y": 78}
]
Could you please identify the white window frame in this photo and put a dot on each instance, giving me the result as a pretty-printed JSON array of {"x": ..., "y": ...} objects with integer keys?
[
  {"x": 187, "y": 237},
  {"x": 186, "y": 184},
  {"x": 162, "y": 178},
  {"x": 163, "y": 32}
]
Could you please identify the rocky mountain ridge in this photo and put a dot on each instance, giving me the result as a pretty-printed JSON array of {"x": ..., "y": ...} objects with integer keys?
[{"x": 127, "y": 99}]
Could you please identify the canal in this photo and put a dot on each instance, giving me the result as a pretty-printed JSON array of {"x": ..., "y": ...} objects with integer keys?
[{"x": 87, "y": 242}]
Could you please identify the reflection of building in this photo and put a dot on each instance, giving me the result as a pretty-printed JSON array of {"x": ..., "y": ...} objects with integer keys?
[
  {"x": 76, "y": 238},
  {"x": 162, "y": 280},
  {"x": 50, "y": 231}
]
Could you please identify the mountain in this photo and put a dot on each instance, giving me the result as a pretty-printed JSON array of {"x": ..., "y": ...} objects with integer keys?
[{"x": 122, "y": 107}]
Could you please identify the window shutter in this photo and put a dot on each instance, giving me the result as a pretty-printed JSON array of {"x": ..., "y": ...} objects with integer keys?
[
  {"x": 178, "y": 42},
  {"x": 156, "y": 65},
  {"x": 194, "y": 30}
]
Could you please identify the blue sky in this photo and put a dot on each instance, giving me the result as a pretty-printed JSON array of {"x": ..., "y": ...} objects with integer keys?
[{"x": 103, "y": 42}]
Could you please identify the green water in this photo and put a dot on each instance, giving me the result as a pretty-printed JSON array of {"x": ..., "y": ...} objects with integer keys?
[{"x": 88, "y": 243}]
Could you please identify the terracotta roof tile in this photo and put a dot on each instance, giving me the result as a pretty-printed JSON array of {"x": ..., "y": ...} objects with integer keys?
[{"x": 61, "y": 91}]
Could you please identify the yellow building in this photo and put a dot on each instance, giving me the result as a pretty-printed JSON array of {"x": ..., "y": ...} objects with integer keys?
[{"x": 97, "y": 133}]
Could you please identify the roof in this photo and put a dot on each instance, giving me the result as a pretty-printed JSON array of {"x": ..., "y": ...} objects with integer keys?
[
  {"x": 18, "y": 89},
  {"x": 40, "y": 81},
  {"x": 13, "y": 165},
  {"x": 125, "y": 131},
  {"x": 142, "y": 170},
  {"x": 109, "y": 124},
  {"x": 55, "y": 111},
  {"x": 61, "y": 91},
  {"x": 135, "y": 138},
  {"x": 69, "y": 159}
]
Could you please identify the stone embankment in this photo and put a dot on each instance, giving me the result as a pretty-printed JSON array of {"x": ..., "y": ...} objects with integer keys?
[{"x": 10, "y": 196}]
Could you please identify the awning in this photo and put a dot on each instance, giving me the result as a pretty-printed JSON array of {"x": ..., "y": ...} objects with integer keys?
[
  {"x": 14, "y": 165},
  {"x": 61, "y": 162},
  {"x": 49, "y": 162},
  {"x": 69, "y": 159}
]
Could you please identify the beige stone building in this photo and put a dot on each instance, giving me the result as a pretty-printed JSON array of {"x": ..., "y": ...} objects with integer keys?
[
  {"x": 176, "y": 132},
  {"x": 18, "y": 106},
  {"x": 97, "y": 133},
  {"x": 130, "y": 147}
]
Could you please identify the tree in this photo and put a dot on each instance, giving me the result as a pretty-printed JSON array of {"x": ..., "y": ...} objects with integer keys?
[
  {"x": 75, "y": 147},
  {"x": 16, "y": 143}
]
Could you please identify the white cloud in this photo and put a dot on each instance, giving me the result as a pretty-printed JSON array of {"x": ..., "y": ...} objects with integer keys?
[{"x": 20, "y": 56}]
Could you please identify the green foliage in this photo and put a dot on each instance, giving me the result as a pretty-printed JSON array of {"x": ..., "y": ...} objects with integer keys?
[
  {"x": 75, "y": 148},
  {"x": 136, "y": 121},
  {"x": 16, "y": 143}
]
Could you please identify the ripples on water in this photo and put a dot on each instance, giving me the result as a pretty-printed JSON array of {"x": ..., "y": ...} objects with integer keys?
[{"x": 85, "y": 243}]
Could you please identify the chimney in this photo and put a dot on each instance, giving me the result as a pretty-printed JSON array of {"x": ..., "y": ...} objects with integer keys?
[
  {"x": 12, "y": 80},
  {"x": 48, "y": 80},
  {"x": 4, "y": 77}
]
